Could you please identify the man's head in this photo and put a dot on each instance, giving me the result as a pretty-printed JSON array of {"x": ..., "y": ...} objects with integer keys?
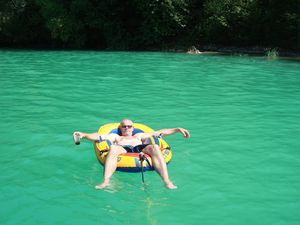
[{"x": 126, "y": 127}]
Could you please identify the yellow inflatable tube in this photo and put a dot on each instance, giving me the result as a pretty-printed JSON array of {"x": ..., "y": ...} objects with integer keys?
[{"x": 130, "y": 162}]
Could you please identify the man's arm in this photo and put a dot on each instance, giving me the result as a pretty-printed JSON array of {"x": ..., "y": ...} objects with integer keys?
[
  {"x": 95, "y": 136},
  {"x": 165, "y": 132}
]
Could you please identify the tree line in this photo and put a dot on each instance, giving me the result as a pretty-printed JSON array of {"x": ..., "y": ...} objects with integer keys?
[{"x": 149, "y": 24}]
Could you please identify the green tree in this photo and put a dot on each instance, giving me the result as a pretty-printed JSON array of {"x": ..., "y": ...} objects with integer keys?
[
  {"x": 21, "y": 24},
  {"x": 226, "y": 21},
  {"x": 164, "y": 22},
  {"x": 149, "y": 24}
]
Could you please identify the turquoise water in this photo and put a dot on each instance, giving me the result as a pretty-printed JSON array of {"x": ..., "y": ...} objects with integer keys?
[{"x": 240, "y": 166}]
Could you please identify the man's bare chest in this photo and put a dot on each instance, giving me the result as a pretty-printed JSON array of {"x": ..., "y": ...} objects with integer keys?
[{"x": 131, "y": 140}]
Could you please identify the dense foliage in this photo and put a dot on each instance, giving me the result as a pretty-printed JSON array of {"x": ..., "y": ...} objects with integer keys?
[{"x": 149, "y": 24}]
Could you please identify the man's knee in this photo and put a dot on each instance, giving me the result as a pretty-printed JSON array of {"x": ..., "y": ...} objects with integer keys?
[
  {"x": 115, "y": 150},
  {"x": 153, "y": 149}
]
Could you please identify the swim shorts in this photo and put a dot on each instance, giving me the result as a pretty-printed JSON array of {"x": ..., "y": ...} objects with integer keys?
[{"x": 135, "y": 149}]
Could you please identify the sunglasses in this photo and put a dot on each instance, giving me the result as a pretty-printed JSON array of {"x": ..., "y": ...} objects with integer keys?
[{"x": 126, "y": 126}]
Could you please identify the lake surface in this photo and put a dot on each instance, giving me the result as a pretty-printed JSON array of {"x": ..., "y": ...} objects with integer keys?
[{"x": 241, "y": 165}]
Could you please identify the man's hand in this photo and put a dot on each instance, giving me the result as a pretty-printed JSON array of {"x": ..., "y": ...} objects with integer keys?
[
  {"x": 185, "y": 132},
  {"x": 77, "y": 133}
]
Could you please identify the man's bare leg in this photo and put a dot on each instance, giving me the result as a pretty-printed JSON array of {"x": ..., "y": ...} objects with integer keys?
[
  {"x": 159, "y": 164},
  {"x": 110, "y": 165}
]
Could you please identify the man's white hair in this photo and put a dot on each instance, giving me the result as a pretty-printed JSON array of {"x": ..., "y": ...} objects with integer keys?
[{"x": 123, "y": 120}]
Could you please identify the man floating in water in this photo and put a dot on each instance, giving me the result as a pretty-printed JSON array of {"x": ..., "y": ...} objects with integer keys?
[{"x": 127, "y": 142}]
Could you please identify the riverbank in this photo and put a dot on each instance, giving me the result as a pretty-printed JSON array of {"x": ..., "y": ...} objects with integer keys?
[
  {"x": 205, "y": 49},
  {"x": 257, "y": 50}
]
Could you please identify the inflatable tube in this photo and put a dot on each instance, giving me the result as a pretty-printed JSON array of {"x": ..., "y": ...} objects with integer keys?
[{"x": 130, "y": 162}]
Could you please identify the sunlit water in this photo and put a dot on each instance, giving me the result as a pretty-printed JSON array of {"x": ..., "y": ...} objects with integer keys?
[{"x": 241, "y": 165}]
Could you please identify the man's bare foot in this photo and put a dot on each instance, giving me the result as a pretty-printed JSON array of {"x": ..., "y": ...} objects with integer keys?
[
  {"x": 170, "y": 185},
  {"x": 103, "y": 185}
]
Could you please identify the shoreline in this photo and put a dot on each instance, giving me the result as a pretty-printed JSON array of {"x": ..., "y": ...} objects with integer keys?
[
  {"x": 205, "y": 49},
  {"x": 232, "y": 50}
]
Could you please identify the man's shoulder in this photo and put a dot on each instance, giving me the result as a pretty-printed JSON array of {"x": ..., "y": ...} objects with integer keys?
[
  {"x": 113, "y": 135},
  {"x": 139, "y": 135}
]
